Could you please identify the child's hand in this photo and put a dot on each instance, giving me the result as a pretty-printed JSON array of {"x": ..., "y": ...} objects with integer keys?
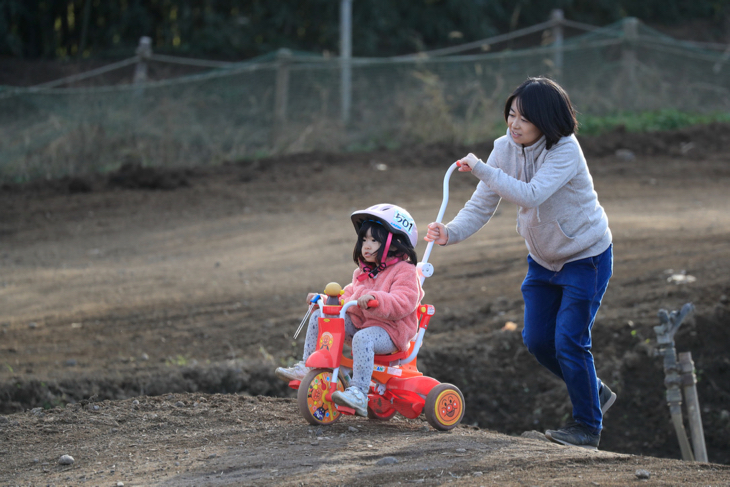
[
  {"x": 362, "y": 301},
  {"x": 437, "y": 233},
  {"x": 468, "y": 162}
]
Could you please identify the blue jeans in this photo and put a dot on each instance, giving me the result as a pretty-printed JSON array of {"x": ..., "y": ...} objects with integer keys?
[{"x": 560, "y": 309}]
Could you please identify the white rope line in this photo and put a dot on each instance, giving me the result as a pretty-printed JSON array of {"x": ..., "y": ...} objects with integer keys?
[
  {"x": 334, "y": 64},
  {"x": 710, "y": 45},
  {"x": 88, "y": 74},
  {"x": 679, "y": 50},
  {"x": 147, "y": 85},
  {"x": 487, "y": 56},
  {"x": 612, "y": 30},
  {"x": 686, "y": 44},
  {"x": 579, "y": 25},
  {"x": 471, "y": 45},
  {"x": 203, "y": 63}
]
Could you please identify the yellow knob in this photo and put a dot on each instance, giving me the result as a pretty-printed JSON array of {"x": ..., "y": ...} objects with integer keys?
[{"x": 333, "y": 289}]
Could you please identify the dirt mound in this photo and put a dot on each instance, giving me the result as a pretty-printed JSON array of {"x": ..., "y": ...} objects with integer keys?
[
  {"x": 132, "y": 175},
  {"x": 216, "y": 440},
  {"x": 697, "y": 141},
  {"x": 229, "y": 377}
]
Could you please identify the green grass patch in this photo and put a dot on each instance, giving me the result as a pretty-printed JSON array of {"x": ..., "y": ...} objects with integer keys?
[
  {"x": 179, "y": 360},
  {"x": 669, "y": 119}
]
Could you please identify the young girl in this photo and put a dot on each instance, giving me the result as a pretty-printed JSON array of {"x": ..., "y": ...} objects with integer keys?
[
  {"x": 539, "y": 166},
  {"x": 386, "y": 258}
]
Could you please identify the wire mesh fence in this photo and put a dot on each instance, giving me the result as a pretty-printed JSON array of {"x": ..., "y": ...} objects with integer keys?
[{"x": 291, "y": 104}]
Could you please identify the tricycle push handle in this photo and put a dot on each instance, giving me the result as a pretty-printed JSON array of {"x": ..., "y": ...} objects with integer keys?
[{"x": 442, "y": 210}]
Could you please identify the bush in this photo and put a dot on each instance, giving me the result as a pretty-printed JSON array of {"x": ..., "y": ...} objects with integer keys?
[{"x": 669, "y": 119}]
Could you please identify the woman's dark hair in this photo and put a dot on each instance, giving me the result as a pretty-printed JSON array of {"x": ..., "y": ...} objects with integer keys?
[
  {"x": 400, "y": 246},
  {"x": 547, "y": 106}
]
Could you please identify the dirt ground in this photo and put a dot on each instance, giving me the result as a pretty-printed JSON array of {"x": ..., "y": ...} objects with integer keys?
[{"x": 142, "y": 314}]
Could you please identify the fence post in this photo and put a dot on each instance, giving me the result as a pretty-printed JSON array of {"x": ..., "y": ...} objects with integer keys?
[
  {"x": 85, "y": 28},
  {"x": 692, "y": 402},
  {"x": 346, "y": 58},
  {"x": 557, "y": 17},
  {"x": 144, "y": 51},
  {"x": 628, "y": 59},
  {"x": 281, "y": 97},
  {"x": 670, "y": 323}
]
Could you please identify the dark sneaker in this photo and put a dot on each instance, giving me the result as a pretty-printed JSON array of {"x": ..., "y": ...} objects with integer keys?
[
  {"x": 606, "y": 397},
  {"x": 574, "y": 434}
]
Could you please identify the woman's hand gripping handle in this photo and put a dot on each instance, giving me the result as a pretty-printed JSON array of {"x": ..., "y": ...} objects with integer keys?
[
  {"x": 436, "y": 231},
  {"x": 466, "y": 164}
]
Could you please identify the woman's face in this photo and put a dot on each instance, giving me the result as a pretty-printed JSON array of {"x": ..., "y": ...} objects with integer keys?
[
  {"x": 370, "y": 248},
  {"x": 521, "y": 131}
]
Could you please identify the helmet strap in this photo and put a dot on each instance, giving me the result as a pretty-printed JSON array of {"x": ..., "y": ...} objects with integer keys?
[{"x": 368, "y": 271}]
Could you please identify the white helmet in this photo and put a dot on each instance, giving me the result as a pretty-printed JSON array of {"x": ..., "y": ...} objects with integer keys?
[{"x": 392, "y": 217}]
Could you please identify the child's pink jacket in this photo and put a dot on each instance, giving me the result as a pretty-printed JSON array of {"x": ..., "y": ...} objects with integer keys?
[{"x": 398, "y": 291}]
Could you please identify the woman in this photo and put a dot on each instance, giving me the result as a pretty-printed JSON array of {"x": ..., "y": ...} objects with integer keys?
[{"x": 539, "y": 166}]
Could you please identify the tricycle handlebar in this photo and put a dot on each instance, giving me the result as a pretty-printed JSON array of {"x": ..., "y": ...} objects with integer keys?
[{"x": 373, "y": 303}]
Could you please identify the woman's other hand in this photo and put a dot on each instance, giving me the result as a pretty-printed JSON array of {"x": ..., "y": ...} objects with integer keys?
[
  {"x": 310, "y": 296},
  {"x": 467, "y": 163},
  {"x": 436, "y": 232},
  {"x": 362, "y": 301}
]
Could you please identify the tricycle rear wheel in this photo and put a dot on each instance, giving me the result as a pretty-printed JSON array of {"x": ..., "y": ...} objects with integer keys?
[
  {"x": 444, "y": 407},
  {"x": 313, "y": 405}
]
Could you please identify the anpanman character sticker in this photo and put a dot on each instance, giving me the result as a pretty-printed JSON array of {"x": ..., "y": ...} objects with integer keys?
[
  {"x": 326, "y": 341},
  {"x": 448, "y": 407}
]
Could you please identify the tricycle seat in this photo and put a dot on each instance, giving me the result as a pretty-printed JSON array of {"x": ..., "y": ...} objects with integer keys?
[{"x": 424, "y": 312}]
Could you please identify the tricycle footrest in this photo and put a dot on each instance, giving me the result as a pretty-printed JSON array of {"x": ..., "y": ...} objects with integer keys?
[
  {"x": 294, "y": 384},
  {"x": 345, "y": 410}
]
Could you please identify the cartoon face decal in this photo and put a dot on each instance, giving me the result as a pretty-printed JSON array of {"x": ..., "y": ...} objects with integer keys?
[
  {"x": 316, "y": 395},
  {"x": 326, "y": 341},
  {"x": 449, "y": 406}
]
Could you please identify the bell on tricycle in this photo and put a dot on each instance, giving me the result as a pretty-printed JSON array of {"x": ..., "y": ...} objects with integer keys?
[{"x": 387, "y": 324}]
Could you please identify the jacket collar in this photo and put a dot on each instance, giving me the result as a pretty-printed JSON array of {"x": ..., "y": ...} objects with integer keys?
[{"x": 537, "y": 147}]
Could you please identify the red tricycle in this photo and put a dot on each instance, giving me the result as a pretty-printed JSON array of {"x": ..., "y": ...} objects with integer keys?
[{"x": 396, "y": 385}]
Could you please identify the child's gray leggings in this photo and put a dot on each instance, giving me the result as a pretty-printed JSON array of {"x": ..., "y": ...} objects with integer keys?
[{"x": 366, "y": 343}]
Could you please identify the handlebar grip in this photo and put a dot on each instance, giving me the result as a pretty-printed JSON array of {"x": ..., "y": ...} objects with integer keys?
[
  {"x": 458, "y": 163},
  {"x": 373, "y": 303}
]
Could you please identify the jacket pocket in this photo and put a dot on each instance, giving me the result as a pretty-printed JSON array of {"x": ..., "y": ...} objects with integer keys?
[{"x": 550, "y": 243}]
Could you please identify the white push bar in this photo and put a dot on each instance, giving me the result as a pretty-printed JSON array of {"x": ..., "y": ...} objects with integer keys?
[{"x": 426, "y": 269}]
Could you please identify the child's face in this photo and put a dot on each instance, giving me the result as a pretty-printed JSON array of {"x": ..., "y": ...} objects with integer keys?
[
  {"x": 520, "y": 129},
  {"x": 370, "y": 248}
]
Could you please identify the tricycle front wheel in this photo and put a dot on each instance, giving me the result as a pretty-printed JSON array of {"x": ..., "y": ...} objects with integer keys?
[
  {"x": 311, "y": 397},
  {"x": 444, "y": 407}
]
